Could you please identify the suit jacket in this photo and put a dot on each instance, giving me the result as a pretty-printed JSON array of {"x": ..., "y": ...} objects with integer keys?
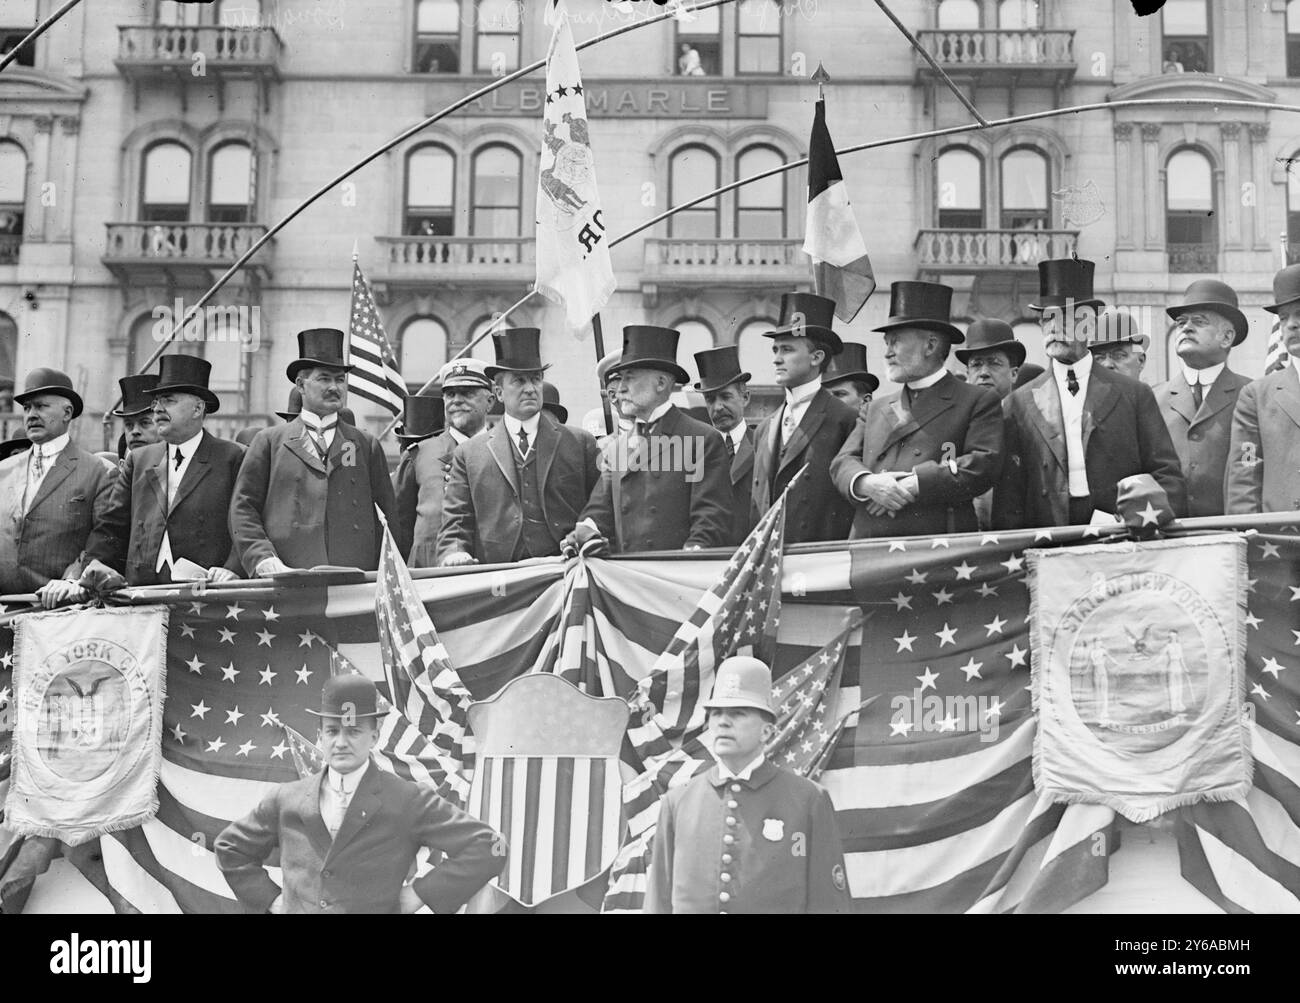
[
  {"x": 1201, "y": 438},
  {"x": 952, "y": 440},
  {"x": 362, "y": 869},
  {"x": 1264, "y": 454},
  {"x": 197, "y": 523},
  {"x": 287, "y": 505},
  {"x": 814, "y": 509},
  {"x": 742, "y": 490},
  {"x": 421, "y": 479},
  {"x": 481, "y": 511},
  {"x": 671, "y": 494},
  {"x": 49, "y": 539},
  {"x": 1123, "y": 434},
  {"x": 766, "y": 873}
]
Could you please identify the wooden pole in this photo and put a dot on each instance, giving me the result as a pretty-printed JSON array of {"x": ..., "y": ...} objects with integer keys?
[{"x": 600, "y": 354}]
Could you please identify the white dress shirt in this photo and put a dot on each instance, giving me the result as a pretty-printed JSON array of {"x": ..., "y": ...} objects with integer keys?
[
  {"x": 175, "y": 475},
  {"x": 655, "y": 415},
  {"x": 737, "y": 435},
  {"x": 1072, "y": 414},
  {"x": 1205, "y": 377},
  {"x": 925, "y": 382},
  {"x": 797, "y": 400},
  {"x": 513, "y": 425},
  {"x": 1295, "y": 364},
  {"x": 336, "y": 792},
  {"x": 744, "y": 774},
  {"x": 324, "y": 427},
  {"x": 49, "y": 452}
]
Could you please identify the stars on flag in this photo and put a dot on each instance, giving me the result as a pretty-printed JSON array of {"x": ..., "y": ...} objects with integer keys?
[
  {"x": 195, "y": 665},
  {"x": 986, "y": 590},
  {"x": 216, "y": 744},
  {"x": 307, "y": 639},
  {"x": 270, "y": 615},
  {"x": 927, "y": 678},
  {"x": 917, "y": 577},
  {"x": 1268, "y": 550},
  {"x": 964, "y": 572},
  {"x": 265, "y": 637},
  {"x": 228, "y": 673},
  {"x": 303, "y": 674},
  {"x": 1252, "y": 620},
  {"x": 200, "y": 709},
  {"x": 227, "y": 636},
  {"x": 271, "y": 719},
  {"x": 266, "y": 675},
  {"x": 187, "y": 630},
  {"x": 278, "y": 750},
  {"x": 245, "y": 748},
  {"x": 995, "y": 626},
  {"x": 897, "y": 545},
  {"x": 942, "y": 596},
  {"x": 1018, "y": 655},
  {"x": 972, "y": 669},
  {"x": 903, "y": 602},
  {"x": 233, "y": 716},
  {"x": 178, "y": 734},
  {"x": 1013, "y": 564},
  {"x": 1272, "y": 666},
  {"x": 905, "y": 641},
  {"x": 939, "y": 541},
  {"x": 1258, "y": 690},
  {"x": 946, "y": 636},
  {"x": 232, "y": 612},
  {"x": 897, "y": 728}
]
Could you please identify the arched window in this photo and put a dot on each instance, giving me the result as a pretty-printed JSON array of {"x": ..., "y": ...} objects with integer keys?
[
  {"x": 1018, "y": 15},
  {"x": 1022, "y": 17},
  {"x": 758, "y": 36},
  {"x": 13, "y": 200},
  {"x": 1186, "y": 27},
  {"x": 497, "y": 192},
  {"x": 147, "y": 333},
  {"x": 960, "y": 189},
  {"x": 1189, "y": 213},
  {"x": 692, "y": 171},
  {"x": 422, "y": 350},
  {"x": 696, "y": 336},
  {"x": 437, "y": 36},
  {"x": 755, "y": 350},
  {"x": 698, "y": 48},
  {"x": 496, "y": 36},
  {"x": 239, "y": 13},
  {"x": 430, "y": 182},
  {"x": 165, "y": 189},
  {"x": 760, "y": 207},
  {"x": 230, "y": 184},
  {"x": 8, "y": 348},
  {"x": 17, "y": 19},
  {"x": 1025, "y": 190}
]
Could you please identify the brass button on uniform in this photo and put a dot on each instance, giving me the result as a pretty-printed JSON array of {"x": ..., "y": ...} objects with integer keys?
[
  {"x": 726, "y": 858},
  {"x": 722, "y": 897},
  {"x": 733, "y": 804},
  {"x": 725, "y": 876},
  {"x": 728, "y": 839},
  {"x": 731, "y": 820}
]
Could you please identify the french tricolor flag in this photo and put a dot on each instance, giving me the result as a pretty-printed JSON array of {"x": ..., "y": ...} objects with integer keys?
[{"x": 841, "y": 268}]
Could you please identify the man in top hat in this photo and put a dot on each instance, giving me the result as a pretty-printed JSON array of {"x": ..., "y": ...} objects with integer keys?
[
  {"x": 848, "y": 379},
  {"x": 136, "y": 410},
  {"x": 809, "y": 428},
  {"x": 422, "y": 418},
  {"x": 1081, "y": 429},
  {"x": 1120, "y": 345},
  {"x": 663, "y": 486},
  {"x": 517, "y": 491},
  {"x": 1198, "y": 400},
  {"x": 348, "y": 836},
  {"x": 993, "y": 358},
  {"x": 467, "y": 396},
  {"x": 748, "y": 835},
  {"x": 917, "y": 461},
  {"x": 1264, "y": 453},
  {"x": 726, "y": 394},
  {"x": 307, "y": 490},
  {"x": 50, "y": 495},
  {"x": 295, "y": 409},
  {"x": 171, "y": 499}
]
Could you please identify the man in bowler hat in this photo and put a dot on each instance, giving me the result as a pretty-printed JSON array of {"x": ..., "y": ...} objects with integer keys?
[
  {"x": 993, "y": 358},
  {"x": 1080, "y": 428},
  {"x": 348, "y": 836},
  {"x": 307, "y": 491},
  {"x": 809, "y": 428},
  {"x": 136, "y": 410},
  {"x": 171, "y": 500},
  {"x": 921, "y": 456},
  {"x": 726, "y": 395},
  {"x": 517, "y": 491},
  {"x": 848, "y": 379},
  {"x": 423, "y": 418},
  {"x": 1119, "y": 344},
  {"x": 747, "y": 836}
]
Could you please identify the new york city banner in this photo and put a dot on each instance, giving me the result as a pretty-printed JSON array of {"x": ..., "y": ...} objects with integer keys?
[{"x": 933, "y": 783}]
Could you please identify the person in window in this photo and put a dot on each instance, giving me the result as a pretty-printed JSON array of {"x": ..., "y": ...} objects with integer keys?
[
  {"x": 1173, "y": 61},
  {"x": 688, "y": 63}
]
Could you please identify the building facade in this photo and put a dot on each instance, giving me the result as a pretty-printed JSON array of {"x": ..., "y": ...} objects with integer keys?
[{"x": 145, "y": 144}]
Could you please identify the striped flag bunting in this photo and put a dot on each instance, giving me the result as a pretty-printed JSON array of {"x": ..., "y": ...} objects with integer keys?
[
  {"x": 375, "y": 374},
  {"x": 1275, "y": 355},
  {"x": 936, "y": 806}
]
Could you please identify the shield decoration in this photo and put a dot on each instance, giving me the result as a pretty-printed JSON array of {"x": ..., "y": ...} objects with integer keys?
[{"x": 547, "y": 778}]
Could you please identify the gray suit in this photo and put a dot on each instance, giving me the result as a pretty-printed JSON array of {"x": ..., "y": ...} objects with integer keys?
[
  {"x": 420, "y": 480},
  {"x": 1264, "y": 456},
  {"x": 1201, "y": 437}
]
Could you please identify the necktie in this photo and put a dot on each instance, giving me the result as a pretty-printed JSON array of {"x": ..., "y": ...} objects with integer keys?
[
  {"x": 731, "y": 447},
  {"x": 180, "y": 458},
  {"x": 1071, "y": 382},
  {"x": 523, "y": 441},
  {"x": 38, "y": 463},
  {"x": 1198, "y": 394}
]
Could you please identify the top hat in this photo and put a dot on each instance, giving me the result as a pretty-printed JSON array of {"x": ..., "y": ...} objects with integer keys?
[
  {"x": 518, "y": 351},
  {"x": 806, "y": 315},
  {"x": 551, "y": 401},
  {"x": 851, "y": 364},
  {"x": 11, "y": 446},
  {"x": 135, "y": 395},
  {"x": 464, "y": 373},
  {"x": 422, "y": 417},
  {"x": 294, "y": 407},
  {"x": 926, "y": 305},
  {"x": 49, "y": 381},
  {"x": 648, "y": 347},
  {"x": 719, "y": 367},
  {"x": 187, "y": 374},
  {"x": 742, "y": 681},
  {"x": 988, "y": 333},
  {"x": 1286, "y": 288},
  {"x": 603, "y": 374},
  {"x": 319, "y": 346},
  {"x": 1029, "y": 371},
  {"x": 1118, "y": 327},
  {"x": 350, "y": 695},
  {"x": 1217, "y": 297},
  {"x": 1062, "y": 281}
]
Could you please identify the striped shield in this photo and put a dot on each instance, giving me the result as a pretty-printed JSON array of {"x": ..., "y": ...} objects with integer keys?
[{"x": 547, "y": 778}]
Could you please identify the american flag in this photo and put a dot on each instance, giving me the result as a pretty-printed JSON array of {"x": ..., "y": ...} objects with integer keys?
[
  {"x": 377, "y": 376},
  {"x": 1275, "y": 355}
]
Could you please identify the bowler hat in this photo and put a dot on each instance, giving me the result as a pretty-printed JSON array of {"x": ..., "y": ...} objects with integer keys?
[
  {"x": 648, "y": 347},
  {"x": 926, "y": 305},
  {"x": 603, "y": 374},
  {"x": 850, "y": 364},
  {"x": 464, "y": 372},
  {"x": 422, "y": 417},
  {"x": 1286, "y": 288},
  {"x": 742, "y": 681},
  {"x": 551, "y": 401},
  {"x": 987, "y": 334},
  {"x": 294, "y": 407},
  {"x": 319, "y": 346},
  {"x": 1217, "y": 297},
  {"x": 350, "y": 695},
  {"x": 518, "y": 351},
  {"x": 1065, "y": 281},
  {"x": 1029, "y": 371},
  {"x": 1118, "y": 327},
  {"x": 11, "y": 446},
  {"x": 49, "y": 381},
  {"x": 135, "y": 395},
  {"x": 719, "y": 367},
  {"x": 806, "y": 315},
  {"x": 187, "y": 374}
]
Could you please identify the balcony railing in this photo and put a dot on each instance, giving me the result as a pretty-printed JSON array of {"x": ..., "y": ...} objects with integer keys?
[
  {"x": 200, "y": 243},
  {"x": 975, "y": 49},
  {"x": 734, "y": 261},
  {"x": 986, "y": 250},
  {"x": 1187, "y": 258},
  {"x": 499, "y": 261},
  {"x": 10, "y": 244},
  {"x": 165, "y": 45}
]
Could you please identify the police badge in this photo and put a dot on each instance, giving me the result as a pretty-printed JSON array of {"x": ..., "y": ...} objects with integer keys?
[{"x": 773, "y": 829}]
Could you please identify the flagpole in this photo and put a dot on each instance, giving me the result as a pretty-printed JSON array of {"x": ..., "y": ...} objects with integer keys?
[
  {"x": 600, "y": 354},
  {"x": 36, "y": 33}
]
